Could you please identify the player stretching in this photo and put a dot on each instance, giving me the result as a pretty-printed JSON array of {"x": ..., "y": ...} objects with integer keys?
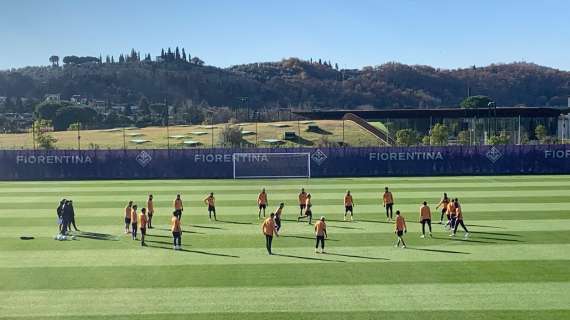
[
  {"x": 262, "y": 203},
  {"x": 176, "y": 231},
  {"x": 425, "y": 217},
  {"x": 150, "y": 210},
  {"x": 268, "y": 228},
  {"x": 211, "y": 202},
  {"x": 302, "y": 201},
  {"x": 388, "y": 201},
  {"x": 450, "y": 215},
  {"x": 321, "y": 233},
  {"x": 400, "y": 229},
  {"x": 178, "y": 206},
  {"x": 143, "y": 219},
  {"x": 459, "y": 221},
  {"x": 443, "y": 204},
  {"x": 348, "y": 205},
  {"x": 134, "y": 220},
  {"x": 278, "y": 216},
  {"x": 128, "y": 211},
  {"x": 308, "y": 210}
]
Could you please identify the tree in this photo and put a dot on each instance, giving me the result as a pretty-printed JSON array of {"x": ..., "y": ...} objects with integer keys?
[
  {"x": 144, "y": 106},
  {"x": 184, "y": 54},
  {"x": 475, "y": 102},
  {"x": 177, "y": 54},
  {"x": 72, "y": 114},
  {"x": 502, "y": 138},
  {"x": 54, "y": 60},
  {"x": 48, "y": 110},
  {"x": 463, "y": 137},
  {"x": 406, "y": 137},
  {"x": 541, "y": 133},
  {"x": 42, "y": 137},
  {"x": 197, "y": 61},
  {"x": 231, "y": 136},
  {"x": 439, "y": 134}
]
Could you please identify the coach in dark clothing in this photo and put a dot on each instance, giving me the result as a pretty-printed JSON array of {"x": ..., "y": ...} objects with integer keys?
[
  {"x": 67, "y": 216},
  {"x": 71, "y": 215},
  {"x": 60, "y": 214}
]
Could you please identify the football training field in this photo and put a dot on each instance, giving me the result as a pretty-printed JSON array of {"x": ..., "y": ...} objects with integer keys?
[{"x": 515, "y": 265}]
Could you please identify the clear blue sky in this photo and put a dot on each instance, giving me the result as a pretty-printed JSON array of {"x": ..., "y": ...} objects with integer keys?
[{"x": 441, "y": 33}]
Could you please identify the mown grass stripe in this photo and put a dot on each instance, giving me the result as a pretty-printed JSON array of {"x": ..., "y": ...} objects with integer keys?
[
  {"x": 515, "y": 296},
  {"x": 276, "y": 274}
]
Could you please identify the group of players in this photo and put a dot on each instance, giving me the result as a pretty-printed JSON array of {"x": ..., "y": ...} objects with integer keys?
[{"x": 450, "y": 208}]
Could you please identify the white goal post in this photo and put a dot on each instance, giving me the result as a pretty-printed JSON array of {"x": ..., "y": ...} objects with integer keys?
[{"x": 256, "y": 165}]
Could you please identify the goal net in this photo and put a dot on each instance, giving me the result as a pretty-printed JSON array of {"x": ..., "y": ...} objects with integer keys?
[{"x": 271, "y": 165}]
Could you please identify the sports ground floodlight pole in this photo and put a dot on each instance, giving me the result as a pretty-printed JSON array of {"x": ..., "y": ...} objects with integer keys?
[
  {"x": 79, "y": 136},
  {"x": 167, "y": 128}
]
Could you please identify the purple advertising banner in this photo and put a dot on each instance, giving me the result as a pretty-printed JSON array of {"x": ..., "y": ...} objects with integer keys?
[{"x": 283, "y": 162}]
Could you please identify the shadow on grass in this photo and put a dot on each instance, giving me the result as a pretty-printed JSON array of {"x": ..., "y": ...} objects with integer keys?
[
  {"x": 376, "y": 221},
  {"x": 464, "y": 240},
  {"x": 157, "y": 236},
  {"x": 183, "y": 231},
  {"x": 306, "y": 258},
  {"x": 195, "y": 251},
  {"x": 342, "y": 227},
  {"x": 318, "y": 130},
  {"x": 205, "y": 227},
  {"x": 306, "y": 238},
  {"x": 95, "y": 236},
  {"x": 437, "y": 250},
  {"x": 235, "y": 222},
  {"x": 496, "y": 233},
  {"x": 355, "y": 256},
  {"x": 302, "y": 141},
  {"x": 484, "y": 226}
]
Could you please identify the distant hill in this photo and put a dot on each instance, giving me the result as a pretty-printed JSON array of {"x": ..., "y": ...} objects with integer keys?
[{"x": 292, "y": 82}]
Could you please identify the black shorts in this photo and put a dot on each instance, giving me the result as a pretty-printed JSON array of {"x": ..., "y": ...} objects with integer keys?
[
  {"x": 348, "y": 208},
  {"x": 443, "y": 211},
  {"x": 428, "y": 221},
  {"x": 211, "y": 209},
  {"x": 302, "y": 206},
  {"x": 262, "y": 206},
  {"x": 400, "y": 233},
  {"x": 143, "y": 231},
  {"x": 127, "y": 220},
  {"x": 150, "y": 214},
  {"x": 308, "y": 213}
]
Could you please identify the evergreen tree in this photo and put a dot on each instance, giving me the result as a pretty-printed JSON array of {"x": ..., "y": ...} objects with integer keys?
[
  {"x": 177, "y": 54},
  {"x": 121, "y": 58},
  {"x": 162, "y": 53},
  {"x": 107, "y": 59},
  {"x": 336, "y": 66},
  {"x": 112, "y": 59},
  {"x": 184, "y": 54}
]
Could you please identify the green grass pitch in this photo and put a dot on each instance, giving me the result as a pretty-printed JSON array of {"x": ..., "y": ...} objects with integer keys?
[{"x": 516, "y": 265}]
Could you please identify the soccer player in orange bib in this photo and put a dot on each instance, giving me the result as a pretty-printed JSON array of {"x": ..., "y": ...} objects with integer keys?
[
  {"x": 128, "y": 211},
  {"x": 459, "y": 219},
  {"x": 302, "y": 201},
  {"x": 262, "y": 202},
  {"x": 211, "y": 202},
  {"x": 178, "y": 206},
  {"x": 134, "y": 220},
  {"x": 425, "y": 218},
  {"x": 278, "y": 213},
  {"x": 400, "y": 225},
  {"x": 450, "y": 215},
  {"x": 150, "y": 210},
  {"x": 176, "y": 229},
  {"x": 443, "y": 205},
  {"x": 388, "y": 201},
  {"x": 321, "y": 234},
  {"x": 143, "y": 221},
  {"x": 268, "y": 229},
  {"x": 308, "y": 210},
  {"x": 348, "y": 205}
]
